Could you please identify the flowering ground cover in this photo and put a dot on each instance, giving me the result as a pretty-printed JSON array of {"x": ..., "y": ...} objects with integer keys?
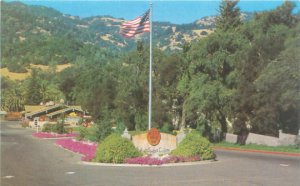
[
  {"x": 88, "y": 149},
  {"x": 148, "y": 160},
  {"x": 52, "y": 135}
]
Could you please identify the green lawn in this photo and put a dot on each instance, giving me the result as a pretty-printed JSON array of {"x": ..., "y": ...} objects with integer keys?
[
  {"x": 76, "y": 129},
  {"x": 91, "y": 133},
  {"x": 291, "y": 148}
]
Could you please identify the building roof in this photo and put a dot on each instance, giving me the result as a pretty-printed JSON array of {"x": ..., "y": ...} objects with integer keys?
[
  {"x": 33, "y": 108},
  {"x": 70, "y": 108},
  {"x": 45, "y": 110}
]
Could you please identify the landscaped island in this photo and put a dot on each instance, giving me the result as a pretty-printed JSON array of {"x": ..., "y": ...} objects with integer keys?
[{"x": 117, "y": 149}]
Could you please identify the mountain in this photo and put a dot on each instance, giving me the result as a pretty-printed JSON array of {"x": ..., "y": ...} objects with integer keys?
[{"x": 41, "y": 35}]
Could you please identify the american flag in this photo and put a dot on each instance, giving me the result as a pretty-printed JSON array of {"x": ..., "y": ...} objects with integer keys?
[{"x": 138, "y": 25}]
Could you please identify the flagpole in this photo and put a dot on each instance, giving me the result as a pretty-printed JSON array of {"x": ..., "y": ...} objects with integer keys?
[{"x": 150, "y": 70}]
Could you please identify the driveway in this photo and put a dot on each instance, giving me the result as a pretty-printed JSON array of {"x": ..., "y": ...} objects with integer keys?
[{"x": 29, "y": 161}]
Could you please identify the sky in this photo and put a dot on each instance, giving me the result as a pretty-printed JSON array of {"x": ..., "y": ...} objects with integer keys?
[{"x": 178, "y": 12}]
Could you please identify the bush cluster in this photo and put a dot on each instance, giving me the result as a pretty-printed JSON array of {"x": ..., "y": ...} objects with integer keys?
[
  {"x": 16, "y": 67},
  {"x": 103, "y": 128},
  {"x": 57, "y": 128},
  {"x": 49, "y": 128},
  {"x": 167, "y": 128},
  {"x": 194, "y": 145},
  {"x": 115, "y": 149}
]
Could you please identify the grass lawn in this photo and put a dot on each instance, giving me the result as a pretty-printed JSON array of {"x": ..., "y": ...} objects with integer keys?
[
  {"x": 90, "y": 135},
  {"x": 291, "y": 148},
  {"x": 76, "y": 129}
]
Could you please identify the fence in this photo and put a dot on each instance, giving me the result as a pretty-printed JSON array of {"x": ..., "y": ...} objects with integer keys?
[{"x": 283, "y": 139}]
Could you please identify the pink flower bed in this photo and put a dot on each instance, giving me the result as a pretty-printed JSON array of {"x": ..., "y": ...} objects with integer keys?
[
  {"x": 88, "y": 149},
  {"x": 52, "y": 135},
  {"x": 148, "y": 160}
]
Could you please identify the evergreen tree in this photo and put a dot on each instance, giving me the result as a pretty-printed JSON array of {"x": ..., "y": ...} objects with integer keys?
[
  {"x": 34, "y": 96},
  {"x": 229, "y": 15}
]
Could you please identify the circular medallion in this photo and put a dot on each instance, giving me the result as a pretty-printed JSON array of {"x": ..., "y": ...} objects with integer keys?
[{"x": 153, "y": 136}]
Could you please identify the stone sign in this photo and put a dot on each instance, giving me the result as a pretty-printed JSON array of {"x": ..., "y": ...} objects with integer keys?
[{"x": 166, "y": 144}]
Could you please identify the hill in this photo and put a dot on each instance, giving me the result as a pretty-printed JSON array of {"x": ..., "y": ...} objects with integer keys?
[
  {"x": 22, "y": 76},
  {"x": 41, "y": 35}
]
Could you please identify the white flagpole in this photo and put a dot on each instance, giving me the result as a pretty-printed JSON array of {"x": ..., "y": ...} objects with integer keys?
[{"x": 150, "y": 70}]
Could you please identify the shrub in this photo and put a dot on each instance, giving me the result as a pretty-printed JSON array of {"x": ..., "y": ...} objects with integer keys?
[
  {"x": 120, "y": 127},
  {"x": 57, "y": 128},
  {"x": 203, "y": 33},
  {"x": 82, "y": 132},
  {"x": 103, "y": 125},
  {"x": 60, "y": 128},
  {"x": 167, "y": 128},
  {"x": 140, "y": 121},
  {"x": 194, "y": 145},
  {"x": 115, "y": 149},
  {"x": 203, "y": 127},
  {"x": 16, "y": 67},
  {"x": 49, "y": 128}
]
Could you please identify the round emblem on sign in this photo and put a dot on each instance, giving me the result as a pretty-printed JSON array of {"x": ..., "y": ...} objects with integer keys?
[{"x": 153, "y": 136}]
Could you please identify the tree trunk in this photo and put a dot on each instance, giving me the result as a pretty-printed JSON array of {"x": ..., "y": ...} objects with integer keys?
[
  {"x": 222, "y": 120},
  {"x": 183, "y": 115}
]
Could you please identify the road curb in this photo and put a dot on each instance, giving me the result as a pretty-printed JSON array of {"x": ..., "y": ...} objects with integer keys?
[
  {"x": 257, "y": 151},
  {"x": 154, "y": 166},
  {"x": 57, "y": 138}
]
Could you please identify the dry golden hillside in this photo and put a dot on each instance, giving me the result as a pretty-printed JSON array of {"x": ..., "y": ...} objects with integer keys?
[{"x": 21, "y": 76}]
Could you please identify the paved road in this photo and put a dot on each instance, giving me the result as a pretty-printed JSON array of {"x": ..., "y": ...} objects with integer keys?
[{"x": 28, "y": 161}]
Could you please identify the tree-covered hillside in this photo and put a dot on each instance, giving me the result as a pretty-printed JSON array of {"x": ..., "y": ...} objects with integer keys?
[{"x": 41, "y": 35}]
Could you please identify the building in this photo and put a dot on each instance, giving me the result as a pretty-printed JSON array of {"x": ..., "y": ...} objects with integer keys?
[{"x": 72, "y": 115}]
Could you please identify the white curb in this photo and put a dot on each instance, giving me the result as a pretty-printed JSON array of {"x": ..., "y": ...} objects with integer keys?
[{"x": 139, "y": 165}]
